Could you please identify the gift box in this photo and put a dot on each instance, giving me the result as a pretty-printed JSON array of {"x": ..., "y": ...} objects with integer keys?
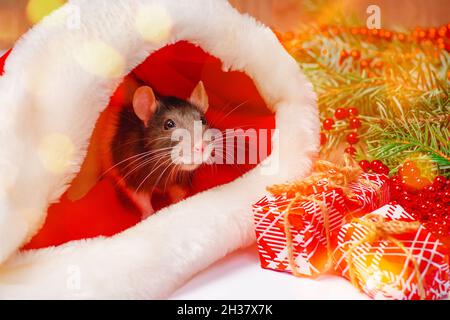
[
  {"x": 390, "y": 255},
  {"x": 303, "y": 243}
]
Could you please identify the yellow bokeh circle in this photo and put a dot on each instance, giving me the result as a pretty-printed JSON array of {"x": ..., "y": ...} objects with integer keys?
[
  {"x": 55, "y": 151},
  {"x": 154, "y": 23},
  {"x": 101, "y": 59},
  {"x": 38, "y": 9}
]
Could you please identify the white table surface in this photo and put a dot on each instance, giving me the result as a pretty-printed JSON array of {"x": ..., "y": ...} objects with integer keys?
[{"x": 239, "y": 276}]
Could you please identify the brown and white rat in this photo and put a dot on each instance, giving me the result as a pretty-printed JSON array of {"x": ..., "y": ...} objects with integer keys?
[{"x": 136, "y": 147}]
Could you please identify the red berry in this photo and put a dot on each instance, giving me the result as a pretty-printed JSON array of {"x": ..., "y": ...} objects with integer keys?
[
  {"x": 328, "y": 124},
  {"x": 354, "y": 123},
  {"x": 405, "y": 200},
  {"x": 446, "y": 196},
  {"x": 323, "y": 139},
  {"x": 396, "y": 180},
  {"x": 397, "y": 190},
  {"x": 439, "y": 182},
  {"x": 356, "y": 54},
  {"x": 341, "y": 113},
  {"x": 353, "y": 112},
  {"x": 381, "y": 169},
  {"x": 365, "y": 165},
  {"x": 352, "y": 138},
  {"x": 375, "y": 164},
  {"x": 424, "y": 208},
  {"x": 350, "y": 150},
  {"x": 430, "y": 189}
]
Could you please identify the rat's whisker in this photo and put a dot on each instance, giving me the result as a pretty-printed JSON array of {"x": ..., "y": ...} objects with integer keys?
[
  {"x": 139, "y": 157},
  {"x": 166, "y": 163},
  {"x": 155, "y": 159},
  {"x": 122, "y": 145},
  {"x": 229, "y": 113}
]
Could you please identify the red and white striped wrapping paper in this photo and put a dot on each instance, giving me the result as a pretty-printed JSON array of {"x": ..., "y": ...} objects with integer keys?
[
  {"x": 306, "y": 224},
  {"x": 382, "y": 268}
]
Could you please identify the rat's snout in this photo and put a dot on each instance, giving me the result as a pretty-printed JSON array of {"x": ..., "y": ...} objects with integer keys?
[{"x": 199, "y": 147}]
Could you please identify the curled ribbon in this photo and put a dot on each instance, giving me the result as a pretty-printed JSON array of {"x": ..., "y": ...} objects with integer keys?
[
  {"x": 335, "y": 176},
  {"x": 379, "y": 228}
]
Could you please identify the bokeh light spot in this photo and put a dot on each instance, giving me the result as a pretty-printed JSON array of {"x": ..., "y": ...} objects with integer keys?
[
  {"x": 154, "y": 23},
  {"x": 55, "y": 151},
  {"x": 101, "y": 59},
  {"x": 38, "y": 9}
]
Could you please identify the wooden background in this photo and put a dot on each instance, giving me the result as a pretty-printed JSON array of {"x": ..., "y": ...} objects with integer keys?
[{"x": 281, "y": 14}]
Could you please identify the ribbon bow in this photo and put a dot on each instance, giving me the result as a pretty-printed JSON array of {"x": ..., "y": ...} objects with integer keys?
[
  {"x": 335, "y": 176},
  {"x": 379, "y": 228}
]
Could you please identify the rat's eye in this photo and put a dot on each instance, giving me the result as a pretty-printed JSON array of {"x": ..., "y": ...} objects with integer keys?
[
  {"x": 169, "y": 124},
  {"x": 204, "y": 122}
]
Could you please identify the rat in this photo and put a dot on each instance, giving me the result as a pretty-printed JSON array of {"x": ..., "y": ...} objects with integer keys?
[{"x": 138, "y": 147}]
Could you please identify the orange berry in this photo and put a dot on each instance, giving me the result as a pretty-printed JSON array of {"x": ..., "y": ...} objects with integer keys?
[
  {"x": 364, "y": 63},
  {"x": 442, "y": 31},
  {"x": 401, "y": 37},
  {"x": 388, "y": 35},
  {"x": 374, "y": 32},
  {"x": 356, "y": 54},
  {"x": 432, "y": 33}
]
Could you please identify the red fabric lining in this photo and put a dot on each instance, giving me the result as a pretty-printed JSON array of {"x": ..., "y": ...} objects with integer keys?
[
  {"x": 173, "y": 70},
  {"x": 3, "y": 60}
]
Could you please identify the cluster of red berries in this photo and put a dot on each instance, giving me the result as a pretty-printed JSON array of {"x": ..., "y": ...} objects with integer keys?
[
  {"x": 428, "y": 201},
  {"x": 376, "y": 166},
  {"x": 437, "y": 36},
  {"x": 354, "y": 123}
]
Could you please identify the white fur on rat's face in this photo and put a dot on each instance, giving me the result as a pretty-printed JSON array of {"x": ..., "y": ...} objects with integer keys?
[
  {"x": 191, "y": 148},
  {"x": 176, "y": 125}
]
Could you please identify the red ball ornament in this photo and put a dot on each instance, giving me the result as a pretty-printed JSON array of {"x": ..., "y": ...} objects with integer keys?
[
  {"x": 350, "y": 150},
  {"x": 328, "y": 124},
  {"x": 411, "y": 172},
  {"x": 409, "y": 164},
  {"x": 354, "y": 123},
  {"x": 352, "y": 138},
  {"x": 341, "y": 113},
  {"x": 353, "y": 112},
  {"x": 365, "y": 165}
]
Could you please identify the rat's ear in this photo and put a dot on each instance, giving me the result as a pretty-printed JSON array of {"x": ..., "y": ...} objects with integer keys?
[
  {"x": 144, "y": 103},
  {"x": 199, "y": 97}
]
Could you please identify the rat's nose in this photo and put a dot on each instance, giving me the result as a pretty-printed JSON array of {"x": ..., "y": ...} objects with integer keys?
[{"x": 199, "y": 148}]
